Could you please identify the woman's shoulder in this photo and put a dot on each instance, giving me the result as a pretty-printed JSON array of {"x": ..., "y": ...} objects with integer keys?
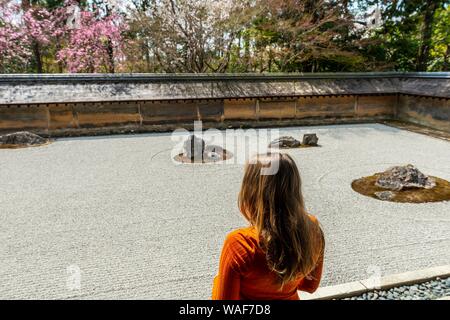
[
  {"x": 241, "y": 245},
  {"x": 244, "y": 237},
  {"x": 313, "y": 218}
]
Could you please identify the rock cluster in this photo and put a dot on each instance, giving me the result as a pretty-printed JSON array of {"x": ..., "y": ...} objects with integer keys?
[
  {"x": 22, "y": 138},
  {"x": 195, "y": 150},
  {"x": 399, "y": 177},
  {"x": 284, "y": 142},
  {"x": 430, "y": 290}
]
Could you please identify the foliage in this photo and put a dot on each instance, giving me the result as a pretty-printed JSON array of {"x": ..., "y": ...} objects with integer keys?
[
  {"x": 33, "y": 36},
  {"x": 410, "y": 32},
  {"x": 95, "y": 45},
  {"x": 223, "y": 36},
  {"x": 440, "y": 51}
]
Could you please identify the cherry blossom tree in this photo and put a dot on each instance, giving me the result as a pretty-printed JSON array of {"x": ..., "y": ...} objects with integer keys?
[
  {"x": 27, "y": 32},
  {"x": 95, "y": 43},
  {"x": 14, "y": 50},
  {"x": 44, "y": 30},
  {"x": 78, "y": 39}
]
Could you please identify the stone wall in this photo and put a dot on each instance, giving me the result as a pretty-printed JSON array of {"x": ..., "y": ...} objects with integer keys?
[
  {"x": 429, "y": 112},
  {"x": 91, "y": 104},
  {"x": 140, "y": 116}
]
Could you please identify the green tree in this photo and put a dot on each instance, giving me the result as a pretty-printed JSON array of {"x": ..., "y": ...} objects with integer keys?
[
  {"x": 406, "y": 38},
  {"x": 306, "y": 36},
  {"x": 440, "y": 43}
]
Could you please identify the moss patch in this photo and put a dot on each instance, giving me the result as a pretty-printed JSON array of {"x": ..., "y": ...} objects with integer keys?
[
  {"x": 299, "y": 147},
  {"x": 441, "y": 192},
  {"x": 224, "y": 155},
  {"x": 21, "y": 146}
]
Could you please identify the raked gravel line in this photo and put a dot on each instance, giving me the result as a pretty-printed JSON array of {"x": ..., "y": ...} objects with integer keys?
[{"x": 139, "y": 226}]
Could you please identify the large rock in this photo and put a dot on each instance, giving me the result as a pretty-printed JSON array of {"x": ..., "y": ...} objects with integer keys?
[
  {"x": 194, "y": 147},
  {"x": 310, "y": 139},
  {"x": 285, "y": 142},
  {"x": 22, "y": 138},
  {"x": 399, "y": 177}
]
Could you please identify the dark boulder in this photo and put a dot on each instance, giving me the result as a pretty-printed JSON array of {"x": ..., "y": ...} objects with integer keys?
[
  {"x": 310, "y": 139},
  {"x": 22, "y": 138}
]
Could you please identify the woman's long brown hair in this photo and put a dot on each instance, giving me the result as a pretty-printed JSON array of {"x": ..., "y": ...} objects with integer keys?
[{"x": 272, "y": 201}]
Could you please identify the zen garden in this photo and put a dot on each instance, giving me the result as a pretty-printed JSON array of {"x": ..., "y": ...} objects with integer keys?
[{"x": 127, "y": 130}]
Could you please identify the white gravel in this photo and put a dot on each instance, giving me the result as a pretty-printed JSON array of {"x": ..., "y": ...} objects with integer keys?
[{"x": 138, "y": 226}]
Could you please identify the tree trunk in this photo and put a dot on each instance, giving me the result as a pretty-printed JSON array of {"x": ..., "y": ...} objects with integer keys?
[
  {"x": 111, "y": 57},
  {"x": 37, "y": 56},
  {"x": 109, "y": 46},
  {"x": 427, "y": 31},
  {"x": 446, "y": 65},
  {"x": 146, "y": 52},
  {"x": 246, "y": 51}
]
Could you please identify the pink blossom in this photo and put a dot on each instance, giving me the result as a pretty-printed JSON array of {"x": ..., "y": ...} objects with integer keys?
[{"x": 95, "y": 45}]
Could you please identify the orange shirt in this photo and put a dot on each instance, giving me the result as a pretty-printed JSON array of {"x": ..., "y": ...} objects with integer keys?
[{"x": 243, "y": 272}]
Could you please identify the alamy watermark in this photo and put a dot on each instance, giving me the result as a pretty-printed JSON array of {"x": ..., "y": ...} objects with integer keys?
[
  {"x": 374, "y": 279},
  {"x": 73, "y": 280}
]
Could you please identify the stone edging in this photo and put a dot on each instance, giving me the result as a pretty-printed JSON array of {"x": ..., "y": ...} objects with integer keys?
[{"x": 355, "y": 288}]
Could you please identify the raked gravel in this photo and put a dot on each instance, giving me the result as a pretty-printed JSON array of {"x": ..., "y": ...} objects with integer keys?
[{"x": 137, "y": 225}]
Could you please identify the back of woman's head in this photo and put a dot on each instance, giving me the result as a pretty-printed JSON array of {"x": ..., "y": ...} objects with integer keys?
[{"x": 271, "y": 199}]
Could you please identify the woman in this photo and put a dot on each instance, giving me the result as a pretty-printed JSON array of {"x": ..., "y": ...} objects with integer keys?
[{"x": 282, "y": 249}]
